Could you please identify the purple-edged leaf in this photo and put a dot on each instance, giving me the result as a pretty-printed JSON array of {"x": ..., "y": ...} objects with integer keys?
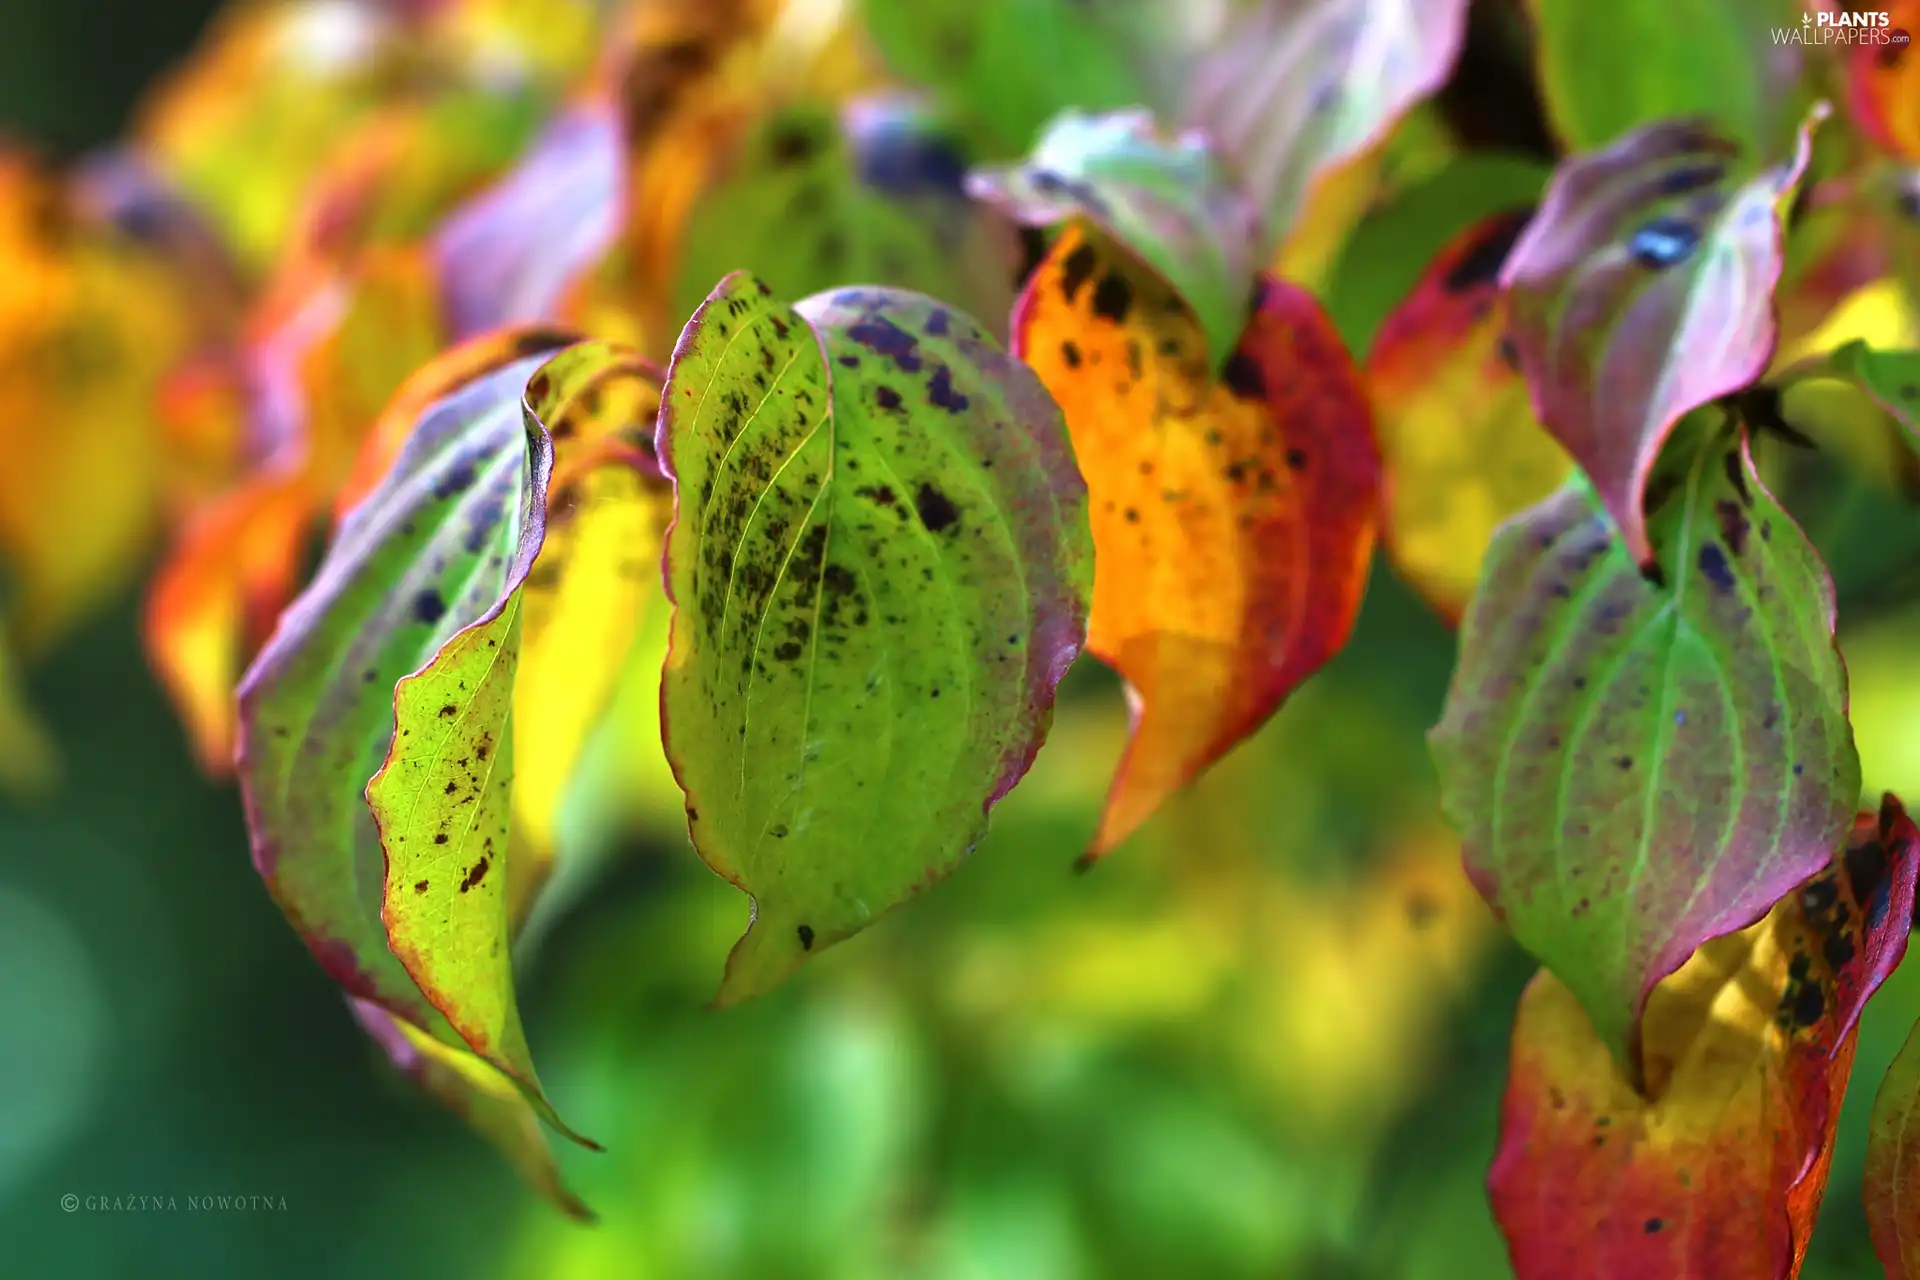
[
  {"x": 1638, "y": 762},
  {"x": 1643, "y": 289},
  {"x": 513, "y": 253},
  {"x": 1169, "y": 202},
  {"x": 881, "y": 567},
  {"x": 426, "y": 567},
  {"x": 1289, "y": 89}
]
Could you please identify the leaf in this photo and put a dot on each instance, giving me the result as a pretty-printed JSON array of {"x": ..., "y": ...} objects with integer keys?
[
  {"x": 813, "y": 201},
  {"x": 427, "y": 565},
  {"x": 513, "y": 254},
  {"x": 1005, "y": 69},
  {"x": 1167, "y": 202},
  {"x": 488, "y": 1101},
  {"x": 1606, "y": 68},
  {"x": 1640, "y": 291},
  {"x": 1637, "y": 763},
  {"x": 1891, "y": 378},
  {"x": 1883, "y": 82},
  {"x": 1233, "y": 519},
  {"x": 1719, "y": 1170},
  {"x": 881, "y": 570},
  {"x": 1463, "y": 449},
  {"x": 1290, "y": 89}
]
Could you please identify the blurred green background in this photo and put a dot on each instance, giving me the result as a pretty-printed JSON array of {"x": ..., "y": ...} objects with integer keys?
[{"x": 1267, "y": 1039}]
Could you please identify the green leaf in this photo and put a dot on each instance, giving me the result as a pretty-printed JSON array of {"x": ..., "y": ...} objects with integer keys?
[
  {"x": 1891, "y": 378},
  {"x": 815, "y": 200},
  {"x": 1607, "y": 66},
  {"x": 881, "y": 567},
  {"x": 1291, "y": 89},
  {"x": 1637, "y": 763},
  {"x": 417, "y": 591},
  {"x": 1641, "y": 290},
  {"x": 1005, "y": 68},
  {"x": 1169, "y": 202}
]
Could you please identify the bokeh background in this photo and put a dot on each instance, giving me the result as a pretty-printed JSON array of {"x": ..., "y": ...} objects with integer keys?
[{"x": 1267, "y": 1039}]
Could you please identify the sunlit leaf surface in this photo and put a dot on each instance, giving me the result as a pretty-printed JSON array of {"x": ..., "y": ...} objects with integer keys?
[
  {"x": 1463, "y": 450},
  {"x": 1717, "y": 1170},
  {"x": 1290, "y": 89},
  {"x": 1170, "y": 203},
  {"x": 1233, "y": 515},
  {"x": 1641, "y": 290},
  {"x": 1640, "y": 762},
  {"x": 881, "y": 569}
]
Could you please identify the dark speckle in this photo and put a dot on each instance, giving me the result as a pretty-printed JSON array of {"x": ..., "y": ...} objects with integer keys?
[
  {"x": 940, "y": 391},
  {"x": 476, "y": 874},
  {"x": 428, "y": 607},
  {"x": 1654, "y": 1225},
  {"x": 886, "y": 397},
  {"x": 1243, "y": 377},
  {"x": 1070, "y": 352},
  {"x": 1078, "y": 269},
  {"x": 883, "y": 337},
  {"x": 1713, "y": 563},
  {"x": 1113, "y": 298},
  {"x": 936, "y": 509},
  {"x": 806, "y": 937}
]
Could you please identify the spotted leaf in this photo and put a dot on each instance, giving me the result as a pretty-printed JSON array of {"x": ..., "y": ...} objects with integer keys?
[
  {"x": 418, "y": 588},
  {"x": 880, "y": 567},
  {"x": 1638, "y": 762},
  {"x": 1463, "y": 449},
  {"x": 1233, "y": 516},
  {"x": 1170, "y": 203},
  {"x": 1289, "y": 90},
  {"x": 1641, "y": 290},
  {"x": 1717, "y": 1169}
]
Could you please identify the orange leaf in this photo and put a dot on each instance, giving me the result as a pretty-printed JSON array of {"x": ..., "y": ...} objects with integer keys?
[
  {"x": 1233, "y": 518},
  {"x": 1719, "y": 1169}
]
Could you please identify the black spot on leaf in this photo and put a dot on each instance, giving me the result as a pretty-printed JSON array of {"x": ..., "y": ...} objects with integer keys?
[
  {"x": 1078, "y": 269},
  {"x": 936, "y": 510},
  {"x": 1113, "y": 298},
  {"x": 1243, "y": 377},
  {"x": 428, "y": 607}
]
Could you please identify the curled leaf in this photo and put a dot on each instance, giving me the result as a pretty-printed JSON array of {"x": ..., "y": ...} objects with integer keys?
[
  {"x": 419, "y": 578},
  {"x": 880, "y": 569},
  {"x": 1718, "y": 1169},
  {"x": 1233, "y": 515},
  {"x": 1463, "y": 450},
  {"x": 1290, "y": 89},
  {"x": 1642, "y": 290},
  {"x": 1168, "y": 202},
  {"x": 1639, "y": 762}
]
